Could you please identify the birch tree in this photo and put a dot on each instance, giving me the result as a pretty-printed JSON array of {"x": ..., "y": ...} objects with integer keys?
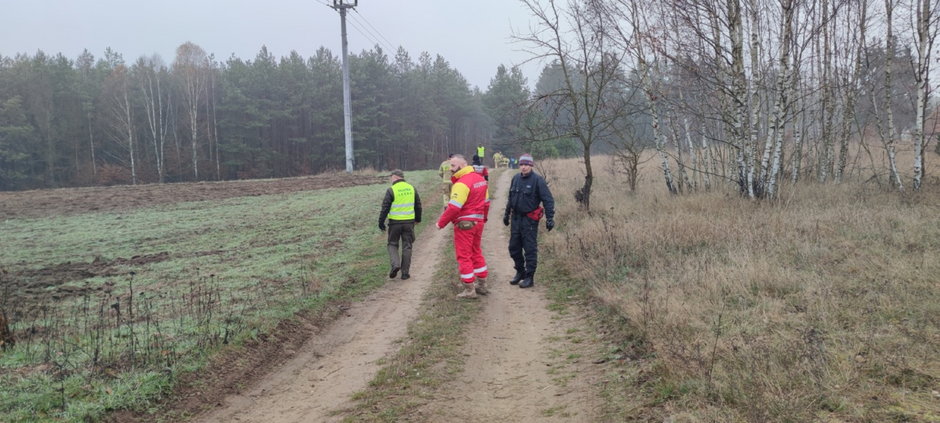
[
  {"x": 773, "y": 147},
  {"x": 191, "y": 68},
  {"x": 156, "y": 98},
  {"x": 120, "y": 114},
  {"x": 857, "y": 25},
  {"x": 927, "y": 22}
]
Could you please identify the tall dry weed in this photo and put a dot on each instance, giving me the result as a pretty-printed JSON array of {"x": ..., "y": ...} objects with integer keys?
[{"x": 821, "y": 305}]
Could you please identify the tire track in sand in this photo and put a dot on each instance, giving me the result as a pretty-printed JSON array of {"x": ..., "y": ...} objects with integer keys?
[{"x": 341, "y": 360}]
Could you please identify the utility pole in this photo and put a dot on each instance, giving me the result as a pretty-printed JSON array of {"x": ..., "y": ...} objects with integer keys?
[{"x": 341, "y": 6}]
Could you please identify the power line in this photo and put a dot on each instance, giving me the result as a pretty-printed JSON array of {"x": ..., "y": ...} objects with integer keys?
[
  {"x": 388, "y": 43},
  {"x": 358, "y": 27}
]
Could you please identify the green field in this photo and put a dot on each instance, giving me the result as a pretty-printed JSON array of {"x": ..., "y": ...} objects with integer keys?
[{"x": 110, "y": 309}]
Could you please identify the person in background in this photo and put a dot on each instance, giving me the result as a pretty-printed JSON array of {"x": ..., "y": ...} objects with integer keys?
[
  {"x": 467, "y": 210},
  {"x": 481, "y": 152},
  {"x": 445, "y": 174},
  {"x": 479, "y": 168},
  {"x": 402, "y": 207},
  {"x": 529, "y": 199}
]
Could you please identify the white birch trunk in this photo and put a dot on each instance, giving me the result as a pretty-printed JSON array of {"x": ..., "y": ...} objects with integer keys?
[
  {"x": 693, "y": 154},
  {"x": 153, "y": 109},
  {"x": 686, "y": 184},
  {"x": 889, "y": 139},
  {"x": 660, "y": 145},
  {"x": 924, "y": 40},
  {"x": 192, "y": 109},
  {"x": 739, "y": 99},
  {"x": 130, "y": 134},
  {"x": 754, "y": 99},
  {"x": 828, "y": 104},
  {"x": 796, "y": 161},
  {"x": 781, "y": 104}
]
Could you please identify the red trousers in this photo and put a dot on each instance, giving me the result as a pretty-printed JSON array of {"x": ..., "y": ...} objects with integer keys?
[{"x": 470, "y": 261}]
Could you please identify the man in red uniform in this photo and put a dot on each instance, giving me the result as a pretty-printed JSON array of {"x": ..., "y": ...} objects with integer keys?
[{"x": 468, "y": 209}]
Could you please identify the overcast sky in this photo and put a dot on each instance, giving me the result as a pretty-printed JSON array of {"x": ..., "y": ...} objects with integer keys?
[{"x": 474, "y": 36}]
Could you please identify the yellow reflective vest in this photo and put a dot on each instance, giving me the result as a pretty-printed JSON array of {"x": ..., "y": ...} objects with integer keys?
[
  {"x": 481, "y": 150},
  {"x": 403, "y": 206},
  {"x": 444, "y": 171}
]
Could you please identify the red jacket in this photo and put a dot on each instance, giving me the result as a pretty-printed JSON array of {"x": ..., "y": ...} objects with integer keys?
[{"x": 469, "y": 198}]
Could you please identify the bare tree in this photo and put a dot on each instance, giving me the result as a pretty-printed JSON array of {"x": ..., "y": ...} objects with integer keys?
[
  {"x": 151, "y": 76},
  {"x": 888, "y": 132},
  {"x": 120, "y": 114},
  {"x": 191, "y": 68},
  {"x": 856, "y": 26},
  {"x": 576, "y": 40},
  {"x": 773, "y": 148},
  {"x": 927, "y": 24}
]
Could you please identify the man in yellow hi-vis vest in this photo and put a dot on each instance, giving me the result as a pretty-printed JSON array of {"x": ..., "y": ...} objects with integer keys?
[
  {"x": 402, "y": 207},
  {"x": 481, "y": 152},
  {"x": 445, "y": 174}
]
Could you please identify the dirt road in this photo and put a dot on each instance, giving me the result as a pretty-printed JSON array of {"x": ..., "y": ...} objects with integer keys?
[
  {"x": 516, "y": 368},
  {"x": 329, "y": 368},
  {"x": 518, "y": 365}
]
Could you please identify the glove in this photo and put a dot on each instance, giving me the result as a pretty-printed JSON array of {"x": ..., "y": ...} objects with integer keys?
[
  {"x": 506, "y": 220},
  {"x": 549, "y": 224},
  {"x": 382, "y": 226}
]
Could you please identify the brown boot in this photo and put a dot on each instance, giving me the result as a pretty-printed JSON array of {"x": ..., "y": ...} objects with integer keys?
[
  {"x": 469, "y": 291},
  {"x": 481, "y": 286}
]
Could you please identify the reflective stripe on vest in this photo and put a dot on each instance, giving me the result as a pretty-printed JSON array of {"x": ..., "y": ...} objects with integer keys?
[{"x": 403, "y": 207}]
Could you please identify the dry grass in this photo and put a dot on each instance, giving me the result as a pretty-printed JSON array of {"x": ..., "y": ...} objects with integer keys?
[{"x": 822, "y": 306}]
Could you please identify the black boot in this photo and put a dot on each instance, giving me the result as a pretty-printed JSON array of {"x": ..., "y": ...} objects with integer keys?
[
  {"x": 527, "y": 282},
  {"x": 515, "y": 279}
]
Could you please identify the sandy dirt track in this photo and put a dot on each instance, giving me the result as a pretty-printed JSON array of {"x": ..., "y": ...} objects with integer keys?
[
  {"x": 511, "y": 373},
  {"x": 513, "y": 351}
]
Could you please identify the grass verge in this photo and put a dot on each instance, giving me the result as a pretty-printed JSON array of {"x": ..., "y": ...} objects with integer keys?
[{"x": 822, "y": 306}]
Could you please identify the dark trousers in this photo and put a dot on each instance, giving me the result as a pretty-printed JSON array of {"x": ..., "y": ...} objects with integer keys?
[
  {"x": 523, "y": 244},
  {"x": 405, "y": 233}
]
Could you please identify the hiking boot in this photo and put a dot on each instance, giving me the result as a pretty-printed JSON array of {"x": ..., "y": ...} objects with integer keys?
[
  {"x": 394, "y": 272},
  {"x": 515, "y": 279},
  {"x": 527, "y": 282},
  {"x": 469, "y": 291},
  {"x": 481, "y": 286},
  {"x": 405, "y": 276}
]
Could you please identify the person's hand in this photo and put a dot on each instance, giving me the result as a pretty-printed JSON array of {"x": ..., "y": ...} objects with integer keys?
[
  {"x": 506, "y": 220},
  {"x": 382, "y": 226},
  {"x": 549, "y": 224}
]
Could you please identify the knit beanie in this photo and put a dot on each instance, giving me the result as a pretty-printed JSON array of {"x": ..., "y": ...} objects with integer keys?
[{"x": 526, "y": 159}]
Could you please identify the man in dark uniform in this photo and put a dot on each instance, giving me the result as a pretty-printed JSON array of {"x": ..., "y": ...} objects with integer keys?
[
  {"x": 402, "y": 207},
  {"x": 527, "y": 191}
]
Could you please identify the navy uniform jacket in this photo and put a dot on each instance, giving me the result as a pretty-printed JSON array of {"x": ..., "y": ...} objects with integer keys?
[{"x": 525, "y": 194}]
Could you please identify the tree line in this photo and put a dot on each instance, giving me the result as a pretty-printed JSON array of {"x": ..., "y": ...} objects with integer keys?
[
  {"x": 753, "y": 93},
  {"x": 93, "y": 121}
]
